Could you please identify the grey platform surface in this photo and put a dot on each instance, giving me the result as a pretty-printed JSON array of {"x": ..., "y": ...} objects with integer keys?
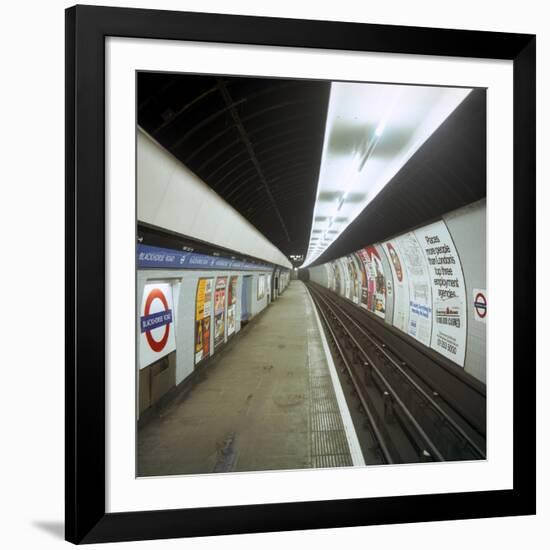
[{"x": 265, "y": 403}]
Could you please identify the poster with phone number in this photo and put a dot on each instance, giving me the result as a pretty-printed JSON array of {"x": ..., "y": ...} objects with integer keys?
[
  {"x": 232, "y": 305},
  {"x": 203, "y": 312},
  {"x": 219, "y": 311}
]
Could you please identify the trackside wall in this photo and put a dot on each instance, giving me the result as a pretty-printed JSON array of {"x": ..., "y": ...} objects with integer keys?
[{"x": 429, "y": 283}]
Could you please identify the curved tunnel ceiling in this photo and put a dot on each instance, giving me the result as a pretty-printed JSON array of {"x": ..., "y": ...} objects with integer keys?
[{"x": 256, "y": 142}]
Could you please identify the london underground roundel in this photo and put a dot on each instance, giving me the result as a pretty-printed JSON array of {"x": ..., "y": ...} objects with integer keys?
[
  {"x": 156, "y": 323},
  {"x": 151, "y": 321},
  {"x": 480, "y": 305}
]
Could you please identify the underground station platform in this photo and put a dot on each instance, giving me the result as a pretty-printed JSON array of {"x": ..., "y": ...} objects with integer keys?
[
  {"x": 311, "y": 274},
  {"x": 267, "y": 402}
]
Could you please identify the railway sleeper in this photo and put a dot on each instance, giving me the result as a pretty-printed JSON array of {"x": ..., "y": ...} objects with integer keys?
[
  {"x": 380, "y": 384},
  {"x": 425, "y": 456},
  {"x": 410, "y": 433},
  {"x": 454, "y": 450},
  {"x": 389, "y": 411},
  {"x": 368, "y": 378}
]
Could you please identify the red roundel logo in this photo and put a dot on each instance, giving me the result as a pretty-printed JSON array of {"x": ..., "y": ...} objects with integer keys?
[
  {"x": 480, "y": 303},
  {"x": 151, "y": 321}
]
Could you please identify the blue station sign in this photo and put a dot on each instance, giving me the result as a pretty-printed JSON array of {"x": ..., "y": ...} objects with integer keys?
[{"x": 156, "y": 257}]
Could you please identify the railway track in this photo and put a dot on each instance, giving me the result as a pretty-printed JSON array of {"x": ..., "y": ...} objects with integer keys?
[{"x": 410, "y": 416}]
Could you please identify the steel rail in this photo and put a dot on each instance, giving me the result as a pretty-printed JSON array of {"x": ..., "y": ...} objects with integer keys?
[
  {"x": 367, "y": 317},
  {"x": 445, "y": 416},
  {"x": 432, "y": 447},
  {"x": 377, "y": 433}
]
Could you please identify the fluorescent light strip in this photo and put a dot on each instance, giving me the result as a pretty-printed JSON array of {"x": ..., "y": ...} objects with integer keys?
[{"x": 360, "y": 119}]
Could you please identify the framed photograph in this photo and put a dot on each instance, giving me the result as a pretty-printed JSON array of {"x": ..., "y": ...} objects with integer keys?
[{"x": 298, "y": 292}]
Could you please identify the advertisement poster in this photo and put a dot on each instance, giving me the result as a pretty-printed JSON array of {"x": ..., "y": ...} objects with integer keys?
[
  {"x": 400, "y": 286},
  {"x": 388, "y": 281},
  {"x": 344, "y": 271},
  {"x": 377, "y": 268},
  {"x": 354, "y": 279},
  {"x": 366, "y": 292},
  {"x": 373, "y": 296},
  {"x": 156, "y": 323},
  {"x": 420, "y": 294},
  {"x": 219, "y": 311},
  {"x": 337, "y": 279},
  {"x": 202, "y": 319},
  {"x": 362, "y": 275},
  {"x": 329, "y": 272},
  {"x": 448, "y": 291},
  {"x": 232, "y": 305},
  {"x": 261, "y": 286}
]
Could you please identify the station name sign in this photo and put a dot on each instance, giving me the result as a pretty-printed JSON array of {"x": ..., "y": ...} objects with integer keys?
[{"x": 166, "y": 258}]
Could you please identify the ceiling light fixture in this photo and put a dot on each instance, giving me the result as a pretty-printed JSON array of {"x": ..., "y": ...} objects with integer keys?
[{"x": 371, "y": 131}]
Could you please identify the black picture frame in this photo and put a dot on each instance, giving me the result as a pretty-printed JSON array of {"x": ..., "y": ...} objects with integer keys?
[{"x": 86, "y": 30}]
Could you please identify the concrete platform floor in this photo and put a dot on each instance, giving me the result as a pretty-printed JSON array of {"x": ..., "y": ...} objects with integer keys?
[{"x": 265, "y": 403}]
